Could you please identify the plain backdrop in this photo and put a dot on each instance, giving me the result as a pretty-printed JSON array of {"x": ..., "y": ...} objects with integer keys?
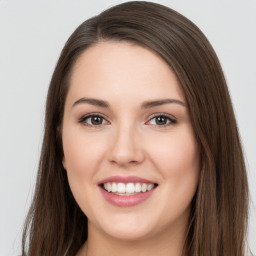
[{"x": 32, "y": 34}]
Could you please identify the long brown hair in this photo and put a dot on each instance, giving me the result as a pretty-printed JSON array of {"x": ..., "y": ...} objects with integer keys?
[{"x": 55, "y": 225}]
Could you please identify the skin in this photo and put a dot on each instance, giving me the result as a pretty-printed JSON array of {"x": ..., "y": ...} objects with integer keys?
[{"x": 129, "y": 142}]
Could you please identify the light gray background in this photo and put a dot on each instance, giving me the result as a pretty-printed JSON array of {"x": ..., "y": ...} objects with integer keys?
[{"x": 32, "y": 34}]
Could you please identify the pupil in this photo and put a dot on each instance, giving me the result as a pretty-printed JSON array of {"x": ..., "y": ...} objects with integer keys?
[
  {"x": 161, "y": 120},
  {"x": 96, "y": 120}
]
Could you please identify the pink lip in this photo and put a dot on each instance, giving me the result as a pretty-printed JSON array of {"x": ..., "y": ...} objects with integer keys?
[
  {"x": 126, "y": 201},
  {"x": 127, "y": 179}
]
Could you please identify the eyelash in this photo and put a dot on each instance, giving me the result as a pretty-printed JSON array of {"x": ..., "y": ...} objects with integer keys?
[{"x": 171, "y": 119}]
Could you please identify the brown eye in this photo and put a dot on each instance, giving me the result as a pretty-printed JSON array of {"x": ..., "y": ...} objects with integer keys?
[
  {"x": 162, "y": 120},
  {"x": 93, "y": 120},
  {"x": 96, "y": 120}
]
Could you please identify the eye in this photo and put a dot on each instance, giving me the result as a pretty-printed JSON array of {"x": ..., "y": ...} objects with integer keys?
[
  {"x": 162, "y": 120},
  {"x": 93, "y": 120}
]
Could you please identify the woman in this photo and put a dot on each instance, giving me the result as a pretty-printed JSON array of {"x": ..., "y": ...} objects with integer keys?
[{"x": 141, "y": 153}]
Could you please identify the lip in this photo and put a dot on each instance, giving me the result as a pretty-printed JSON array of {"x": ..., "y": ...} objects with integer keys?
[{"x": 125, "y": 201}]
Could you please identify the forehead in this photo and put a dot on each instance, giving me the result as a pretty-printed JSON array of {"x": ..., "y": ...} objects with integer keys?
[{"x": 122, "y": 69}]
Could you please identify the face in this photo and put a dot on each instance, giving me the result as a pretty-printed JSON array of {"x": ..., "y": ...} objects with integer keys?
[{"x": 129, "y": 149}]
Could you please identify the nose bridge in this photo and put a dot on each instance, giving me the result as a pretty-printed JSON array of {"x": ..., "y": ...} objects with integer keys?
[{"x": 125, "y": 145}]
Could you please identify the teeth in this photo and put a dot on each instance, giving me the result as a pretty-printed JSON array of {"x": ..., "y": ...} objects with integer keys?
[
  {"x": 138, "y": 188},
  {"x": 114, "y": 187},
  {"x": 109, "y": 187},
  {"x": 150, "y": 186},
  {"x": 129, "y": 188},
  {"x": 120, "y": 187},
  {"x": 144, "y": 187}
]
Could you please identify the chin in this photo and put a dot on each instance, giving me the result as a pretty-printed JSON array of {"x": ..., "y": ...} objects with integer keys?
[
  {"x": 127, "y": 229},
  {"x": 129, "y": 235}
]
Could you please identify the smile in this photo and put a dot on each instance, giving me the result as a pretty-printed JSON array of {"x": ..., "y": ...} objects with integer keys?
[
  {"x": 126, "y": 191},
  {"x": 123, "y": 189}
]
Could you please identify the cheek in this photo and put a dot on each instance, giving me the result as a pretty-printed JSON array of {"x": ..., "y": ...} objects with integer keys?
[
  {"x": 177, "y": 157},
  {"x": 82, "y": 158},
  {"x": 82, "y": 153}
]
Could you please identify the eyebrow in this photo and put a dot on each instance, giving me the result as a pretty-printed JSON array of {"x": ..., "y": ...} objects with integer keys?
[
  {"x": 91, "y": 101},
  {"x": 155, "y": 103},
  {"x": 145, "y": 105}
]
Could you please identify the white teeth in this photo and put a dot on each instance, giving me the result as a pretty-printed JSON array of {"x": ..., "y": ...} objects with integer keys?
[
  {"x": 129, "y": 188},
  {"x": 144, "y": 187},
  {"x": 114, "y": 187},
  {"x": 109, "y": 187},
  {"x": 138, "y": 188},
  {"x": 150, "y": 186},
  {"x": 120, "y": 187}
]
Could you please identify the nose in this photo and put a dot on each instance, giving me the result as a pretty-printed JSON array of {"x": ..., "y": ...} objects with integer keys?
[{"x": 126, "y": 148}]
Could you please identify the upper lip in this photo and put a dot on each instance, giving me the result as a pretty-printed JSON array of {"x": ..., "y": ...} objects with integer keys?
[{"x": 127, "y": 179}]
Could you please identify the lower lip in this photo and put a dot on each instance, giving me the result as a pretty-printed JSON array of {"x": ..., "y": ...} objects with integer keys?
[{"x": 126, "y": 201}]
